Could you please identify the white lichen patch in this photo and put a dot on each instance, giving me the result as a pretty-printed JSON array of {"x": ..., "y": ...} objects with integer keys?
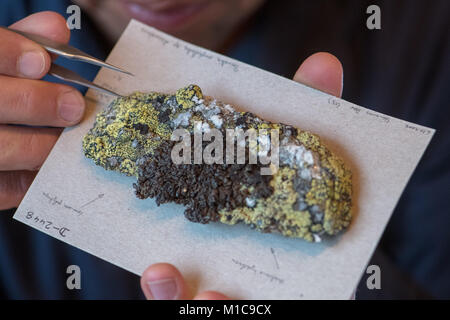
[
  {"x": 217, "y": 121},
  {"x": 250, "y": 202},
  {"x": 182, "y": 119}
]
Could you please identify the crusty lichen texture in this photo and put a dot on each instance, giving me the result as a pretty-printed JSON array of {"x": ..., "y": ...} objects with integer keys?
[
  {"x": 127, "y": 130},
  {"x": 308, "y": 197},
  {"x": 303, "y": 205}
]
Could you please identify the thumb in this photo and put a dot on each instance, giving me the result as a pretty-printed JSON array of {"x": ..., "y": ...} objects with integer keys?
[
  {"x": 21, "y": 57},
  {"x": 47, "y": 24},
  {"x": 162, "y": 281},
  {"x": 322, "y": 71}
]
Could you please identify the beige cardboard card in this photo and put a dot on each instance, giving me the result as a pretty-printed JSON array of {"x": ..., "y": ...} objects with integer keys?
[{"x": 95, "y": 210}]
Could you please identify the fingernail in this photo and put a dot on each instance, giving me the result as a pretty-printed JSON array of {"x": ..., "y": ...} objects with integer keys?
[
  {"x": 71, "y": 106},
  {"x": 164, "y": 289},
  {"x": 31, "y": 64}
]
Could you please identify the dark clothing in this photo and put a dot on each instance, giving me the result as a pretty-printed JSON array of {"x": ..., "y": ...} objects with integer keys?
[{"x": 402, "y": 70}]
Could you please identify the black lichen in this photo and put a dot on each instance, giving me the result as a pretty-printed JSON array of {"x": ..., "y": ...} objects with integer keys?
[{"x": 203, "y": 189}]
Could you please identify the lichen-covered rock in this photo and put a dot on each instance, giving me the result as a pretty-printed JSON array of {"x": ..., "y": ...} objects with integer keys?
[
  {"x": 308, "y": 196},
  {"x": 129, "y": 128}
]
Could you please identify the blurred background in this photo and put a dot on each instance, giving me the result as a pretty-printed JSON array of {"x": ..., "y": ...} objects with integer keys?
[{"x": 401, "y": 69}]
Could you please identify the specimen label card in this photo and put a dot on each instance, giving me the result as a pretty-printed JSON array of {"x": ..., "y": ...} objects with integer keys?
[{"x": 96, "y": 210}]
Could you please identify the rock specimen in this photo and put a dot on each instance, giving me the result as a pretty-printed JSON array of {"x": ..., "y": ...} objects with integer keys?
[{"x": 307, "y": 197}]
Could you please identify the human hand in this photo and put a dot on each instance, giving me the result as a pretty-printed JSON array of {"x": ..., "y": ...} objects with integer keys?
[
  {"x": 26, "y": 100},
  {"x": 163, "y": 281}
]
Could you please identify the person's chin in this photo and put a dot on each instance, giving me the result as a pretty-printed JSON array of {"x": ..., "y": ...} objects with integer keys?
[{"x": 169, "y": 20}]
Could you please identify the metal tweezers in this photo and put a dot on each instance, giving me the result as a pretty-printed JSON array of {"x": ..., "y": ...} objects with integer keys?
[{"x": 72, "y": 53}]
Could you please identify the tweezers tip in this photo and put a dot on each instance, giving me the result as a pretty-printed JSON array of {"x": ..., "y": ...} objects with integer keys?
[{"x": 118, "y": 69}]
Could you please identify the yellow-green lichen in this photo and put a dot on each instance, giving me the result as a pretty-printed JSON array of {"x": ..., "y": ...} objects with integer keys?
[
  {"x": 332, "y": 190},
  {"x": 131, "y": 127},
  {"x": 186, "y": 96},
  {"x": 276, "y": 213},
  {"x": 117, "y": 139},
  {"x": 309, "y": 199}
]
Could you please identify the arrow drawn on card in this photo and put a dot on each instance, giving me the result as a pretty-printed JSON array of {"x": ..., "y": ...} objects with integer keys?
[
  {"x": 274, "y": 257},
  {"x": 98, "y": 197}
]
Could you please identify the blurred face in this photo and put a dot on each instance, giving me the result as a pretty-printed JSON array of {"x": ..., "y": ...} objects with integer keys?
[{"x": 204, "y": 22}]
